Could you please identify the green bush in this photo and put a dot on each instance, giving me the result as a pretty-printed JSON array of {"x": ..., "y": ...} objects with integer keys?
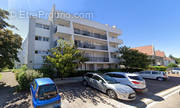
[
  {"x": 158, "y": 68},
  {"x": 47, "y": 72},
  {"x": 24, "y": 78}
]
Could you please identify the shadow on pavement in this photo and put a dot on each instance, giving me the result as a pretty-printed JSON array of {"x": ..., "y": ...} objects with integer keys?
[
  {"x": 86, "y": 94},
  {"x": 9, "y": 98},
  {"x": 71, "y": 92}
]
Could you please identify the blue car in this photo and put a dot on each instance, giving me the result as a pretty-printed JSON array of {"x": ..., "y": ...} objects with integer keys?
[{"x": 45, "y": 94}]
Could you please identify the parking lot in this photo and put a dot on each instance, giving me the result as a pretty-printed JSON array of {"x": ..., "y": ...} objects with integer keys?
[{"x": 76, "y": 95}]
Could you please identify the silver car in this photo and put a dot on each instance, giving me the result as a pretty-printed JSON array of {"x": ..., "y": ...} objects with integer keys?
[
  {"x": 159, "y": 75},
  {"x": 109, "y": 85},
  {"x": 133, "y": 80}
]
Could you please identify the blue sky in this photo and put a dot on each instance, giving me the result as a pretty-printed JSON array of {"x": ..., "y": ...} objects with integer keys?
[{"x": 143, "y": 22}]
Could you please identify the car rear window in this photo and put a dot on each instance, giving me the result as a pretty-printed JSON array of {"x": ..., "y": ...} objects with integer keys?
[
  {"x": 47, "y": 91},
  {"x": 136, "y": 78}
]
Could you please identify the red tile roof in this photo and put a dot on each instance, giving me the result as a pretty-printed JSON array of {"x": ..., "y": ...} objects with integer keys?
[
  {"x": 167, "y": 58},
  {"x": 160, "y": 53},
  {"x": 149, "y": 50}
]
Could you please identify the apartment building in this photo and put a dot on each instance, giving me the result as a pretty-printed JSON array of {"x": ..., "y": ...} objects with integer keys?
[{"x": 99, "y": 41}]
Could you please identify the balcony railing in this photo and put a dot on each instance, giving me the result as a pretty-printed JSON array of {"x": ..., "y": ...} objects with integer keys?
[
  {"x": 90, "y": 46},
  {"x": 89, "y": 34},
  {"x": 115, "y": 40},
  {"x": 98, "y": 59},
  {"x": 112, "y": 49}
]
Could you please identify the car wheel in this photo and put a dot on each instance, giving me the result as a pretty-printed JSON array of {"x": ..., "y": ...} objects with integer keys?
[
  {"x": 160, "y": 79},
  {"x": 112, "y": 94},
  {"x": 85, "y": 83}
]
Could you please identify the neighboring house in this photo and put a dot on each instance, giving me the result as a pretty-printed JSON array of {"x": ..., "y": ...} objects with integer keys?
[
  {"x": 99, "y": 41},
  {"x": 159, "y": 57},
  {"x": 168, "y": 61}
]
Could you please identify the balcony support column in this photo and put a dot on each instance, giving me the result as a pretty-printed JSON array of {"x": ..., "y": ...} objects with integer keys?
[
  {"x": 109, "y": 54},
  {"x": 71, "y": 25}
]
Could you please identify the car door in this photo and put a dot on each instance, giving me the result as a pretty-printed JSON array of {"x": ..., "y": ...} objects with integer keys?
[
  {"x": 89, "y": 79},
  {"x": 147, "y": 74},
  {"x": 155, "y": 74},
  {"x": 98, "y": 83}
]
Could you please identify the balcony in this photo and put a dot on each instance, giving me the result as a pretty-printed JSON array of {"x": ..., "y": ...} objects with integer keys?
[
  {"x": 112, "y": 49},
  {"x": 114, "y": 60},
  {"x": 116, "y": 40},
  {"x": 90, "y": 46},
  {"x": 89, "y": 34},
  {"x": 98, "y": 59}
]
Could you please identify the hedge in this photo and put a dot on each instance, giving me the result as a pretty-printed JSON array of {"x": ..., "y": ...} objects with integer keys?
[{"x": 24, "y": 78}]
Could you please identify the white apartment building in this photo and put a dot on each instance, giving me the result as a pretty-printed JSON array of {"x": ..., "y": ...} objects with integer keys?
[{"x": 99, "y": 41}]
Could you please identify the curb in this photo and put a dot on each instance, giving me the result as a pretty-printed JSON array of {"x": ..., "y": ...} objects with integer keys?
[
  {"x": 68, "y": 81},
  {"x": 161, "y": 94}
]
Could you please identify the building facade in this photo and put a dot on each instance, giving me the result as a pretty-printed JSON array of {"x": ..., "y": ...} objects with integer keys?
[{"x": 99, "y": 41}]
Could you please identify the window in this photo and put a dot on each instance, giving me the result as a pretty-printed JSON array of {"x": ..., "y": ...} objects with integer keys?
[
  {"x": 147, "y": 72},
  {"x": 136, "y": 78},
  {"x": 38, "y": 25},
  {"x": 36, "y": 52},
  {"x": 155, "y": 72},
  {"x": 119, "y": 76},
  {"x": 89, "y": 75},
  {"x": 47, "y": 91},
  {"x": 46, "y": 27},
  {"x": 42, "y": 26},
  {"x": 36, "y": 37},
  {"x": 45, "y": 39},
  {"x": 96, "y": 78}
]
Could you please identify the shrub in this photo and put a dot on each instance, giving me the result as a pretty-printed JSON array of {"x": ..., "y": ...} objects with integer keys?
[
  {"x": 24, "y": 78},
  {"x": 158, "y": 68}
]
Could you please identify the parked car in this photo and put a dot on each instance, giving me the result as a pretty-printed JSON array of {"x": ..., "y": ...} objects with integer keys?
[
  {"x": 159, "y": 75},
  {"x": 133, "y": 80},
  {"x": 176, "y": 71},
  {"x": 45, "y": 94},
  {"x": 110, "y": 86}
]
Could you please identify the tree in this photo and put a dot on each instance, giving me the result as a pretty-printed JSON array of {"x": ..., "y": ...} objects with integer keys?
[
  {"x": 177, "y": 60},
  {"x": 10, "y": 43},
  {"x": 64, "y": 58},
  {"x": 172, "y": 65},
  {"x": 133, "y": 59}
]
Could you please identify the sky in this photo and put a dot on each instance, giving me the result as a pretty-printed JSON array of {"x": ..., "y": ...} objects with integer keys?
[{"x": 142, "y": 22}]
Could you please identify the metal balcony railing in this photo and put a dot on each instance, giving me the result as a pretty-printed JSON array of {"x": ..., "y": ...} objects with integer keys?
[
  {"x": 98, "y": 59},
  {"x": 90, "y": 46},
  {"x": 89, "y": 34}
]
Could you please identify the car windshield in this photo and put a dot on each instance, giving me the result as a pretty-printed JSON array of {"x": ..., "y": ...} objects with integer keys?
[
  {"x": 136, "y": 78},
  {"x": 47, "y": 91},
  {"x": 109, "y": 79}
]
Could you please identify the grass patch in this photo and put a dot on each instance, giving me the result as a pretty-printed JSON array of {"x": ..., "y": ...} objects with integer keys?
[{"x": 0, "y": 76}]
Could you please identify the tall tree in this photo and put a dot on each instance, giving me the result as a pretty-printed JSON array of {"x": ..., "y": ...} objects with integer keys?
[
  {"x": 133, "y": 59},
  {"x": 65, "y": 58},
  {"x": 10, "y": 43}
]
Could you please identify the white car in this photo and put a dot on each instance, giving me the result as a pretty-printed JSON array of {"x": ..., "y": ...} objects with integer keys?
[
  {"x": 159, "y": 75},
  {"x": 176, "y": 71},
  {"x": 109, "y": 85},
  {"x": 133, "y": 80}
]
